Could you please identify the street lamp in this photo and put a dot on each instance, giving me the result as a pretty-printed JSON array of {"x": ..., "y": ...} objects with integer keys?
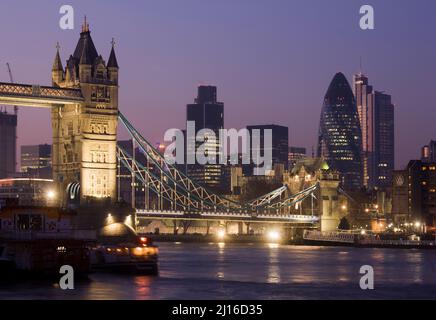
[
  {"x": 273, "y": 236},
  {"x": 51, "y": 195}
]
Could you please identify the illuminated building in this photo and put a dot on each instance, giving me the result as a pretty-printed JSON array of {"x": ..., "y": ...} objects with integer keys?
[
  {"x": 207, "y": 113},
  {"x": 27, "y": 191},
  {"x": 340, "y": 137},
  {"x": 8, "y": 145},
  {"x": 36, "y": 161},
  {"x": 376, "y": 115},
  {"x": 84, "y": 134},
  {"x": 429, "y": 152},
  {"x": 414, "y": 193}
]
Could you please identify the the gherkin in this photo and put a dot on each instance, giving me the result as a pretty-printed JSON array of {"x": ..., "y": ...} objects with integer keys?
[{"x": 340, "y": 138}]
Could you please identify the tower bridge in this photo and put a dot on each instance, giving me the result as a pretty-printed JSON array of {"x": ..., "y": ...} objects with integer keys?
[{"x": 83, "y": 100}]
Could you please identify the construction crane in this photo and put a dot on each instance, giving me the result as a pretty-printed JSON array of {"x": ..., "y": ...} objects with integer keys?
[{"x": 12, "y": 81}]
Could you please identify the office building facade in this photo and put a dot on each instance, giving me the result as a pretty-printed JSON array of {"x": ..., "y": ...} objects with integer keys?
[
  {"x": 206, "y": 113},
  {"x": 36, "y": 161},
  {"x": 377, "y": 122},
  {"x": 414, "y": 194},
  {"x": 279, "y": 147}
]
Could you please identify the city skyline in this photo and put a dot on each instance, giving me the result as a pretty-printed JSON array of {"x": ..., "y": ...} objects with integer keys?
[{"x": 280, "y": 91}]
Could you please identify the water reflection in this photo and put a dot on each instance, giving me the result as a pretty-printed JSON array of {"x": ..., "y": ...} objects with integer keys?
[
  {"x": 142, "y": 285},
  {"x": 239, "y": 271},
  {"x": 273, "y": 265}
]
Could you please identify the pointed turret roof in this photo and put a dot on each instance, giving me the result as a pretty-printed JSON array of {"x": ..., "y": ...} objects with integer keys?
[
  {"x": 57, "y": 64},
  {"x": 112, "y": 63},
  {"x": 85, "y": 52}
]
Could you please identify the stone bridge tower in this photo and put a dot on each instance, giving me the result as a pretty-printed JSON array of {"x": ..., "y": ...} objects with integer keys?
[
  {"x": 84, "y": 135},
  {"x": 329, "y": 200}
]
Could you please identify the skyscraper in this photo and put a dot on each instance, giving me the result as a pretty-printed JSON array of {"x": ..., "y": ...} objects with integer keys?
[
  {"x": 207, "y": 113},
  {"x": 8, "y": 144},
  {"x": 376, "y": 115},
  {"x": 340, "y": 137},
  {"x": 280, "y": 145}
]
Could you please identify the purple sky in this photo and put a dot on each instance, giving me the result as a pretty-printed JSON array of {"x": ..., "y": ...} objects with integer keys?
[{"x": 272, "y": 60}]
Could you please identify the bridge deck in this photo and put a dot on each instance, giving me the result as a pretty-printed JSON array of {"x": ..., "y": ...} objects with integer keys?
[
  {"x": 214, "y": 216},
  {"x": 37, "y": 96}
]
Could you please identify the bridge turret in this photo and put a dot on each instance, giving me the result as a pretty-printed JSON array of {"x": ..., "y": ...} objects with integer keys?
[
  {"x": 329, "y": 200},
  {"x": 84, "y": 135},
  {"x": 57, "y": 73},
  {"x": 112, "y": 65}
]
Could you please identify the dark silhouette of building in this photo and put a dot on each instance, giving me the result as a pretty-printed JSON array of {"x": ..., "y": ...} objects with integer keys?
[
  {"x": 280, "y": 146},
  {"x": 8, "y": 144},
  {"x": 340, "y": 137},
  {"x": 376, "y": 115},
  {"x": 36, "y": 161},
  {"x": 207, "y": 113}
]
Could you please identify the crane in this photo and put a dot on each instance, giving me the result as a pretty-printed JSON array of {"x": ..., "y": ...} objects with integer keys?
[{"x": 12, "y": 81}]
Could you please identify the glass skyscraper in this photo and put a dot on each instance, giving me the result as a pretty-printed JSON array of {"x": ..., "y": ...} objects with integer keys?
[
  {"x": 207, "y": 113},
  {"x": 376, "y": 113},
  {"x": 340, "y": 137}
]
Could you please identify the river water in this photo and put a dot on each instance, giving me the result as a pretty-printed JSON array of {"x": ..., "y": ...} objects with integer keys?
[{"x": 256, "y": 271}]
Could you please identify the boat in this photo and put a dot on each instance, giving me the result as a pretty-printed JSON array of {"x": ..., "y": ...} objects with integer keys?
[
  {"x": 40, "y": 256},
  {"x": 139, "y": 255},
  {"x": 363, "y": 240}
]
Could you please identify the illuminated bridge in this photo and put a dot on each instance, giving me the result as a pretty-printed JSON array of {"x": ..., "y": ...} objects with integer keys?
[
  {"x": 85, "y": 116},
  {"x": 189, "y": 200}
]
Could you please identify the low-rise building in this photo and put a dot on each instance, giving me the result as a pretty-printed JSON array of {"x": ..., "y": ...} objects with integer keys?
[{"x": 27, "y": 192}]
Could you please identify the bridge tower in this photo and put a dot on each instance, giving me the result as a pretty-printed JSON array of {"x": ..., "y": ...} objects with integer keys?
[
  {"x": 329, "y": 200},
  {"x": 84, "y": 134}
]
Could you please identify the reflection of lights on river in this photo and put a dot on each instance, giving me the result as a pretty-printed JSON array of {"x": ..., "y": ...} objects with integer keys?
[{"x": 273, "y": 266}]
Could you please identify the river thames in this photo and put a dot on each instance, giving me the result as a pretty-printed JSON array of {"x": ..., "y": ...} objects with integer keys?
[{"x": 256, "y": 271}]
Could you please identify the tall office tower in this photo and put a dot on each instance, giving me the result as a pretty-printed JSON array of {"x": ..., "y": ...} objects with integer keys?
[
  {"x": 340, "y": 137},
  {"x": 280, "y": 146},
  {"x": 207, "y": 113},
  {"x": 8, "y": 144},
  {"x": 36, "y": 161},
  {"x": 376, "y": 115},
  {"x": 429, "y": 152}
]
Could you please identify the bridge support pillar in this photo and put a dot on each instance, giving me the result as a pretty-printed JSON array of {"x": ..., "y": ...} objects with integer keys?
[
  {"x": 329, "y": 204},
  {"x": 240, "y": 228}
]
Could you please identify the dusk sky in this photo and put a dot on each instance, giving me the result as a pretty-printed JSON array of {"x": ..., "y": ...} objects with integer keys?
[{"x": 272, "y": 60}]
